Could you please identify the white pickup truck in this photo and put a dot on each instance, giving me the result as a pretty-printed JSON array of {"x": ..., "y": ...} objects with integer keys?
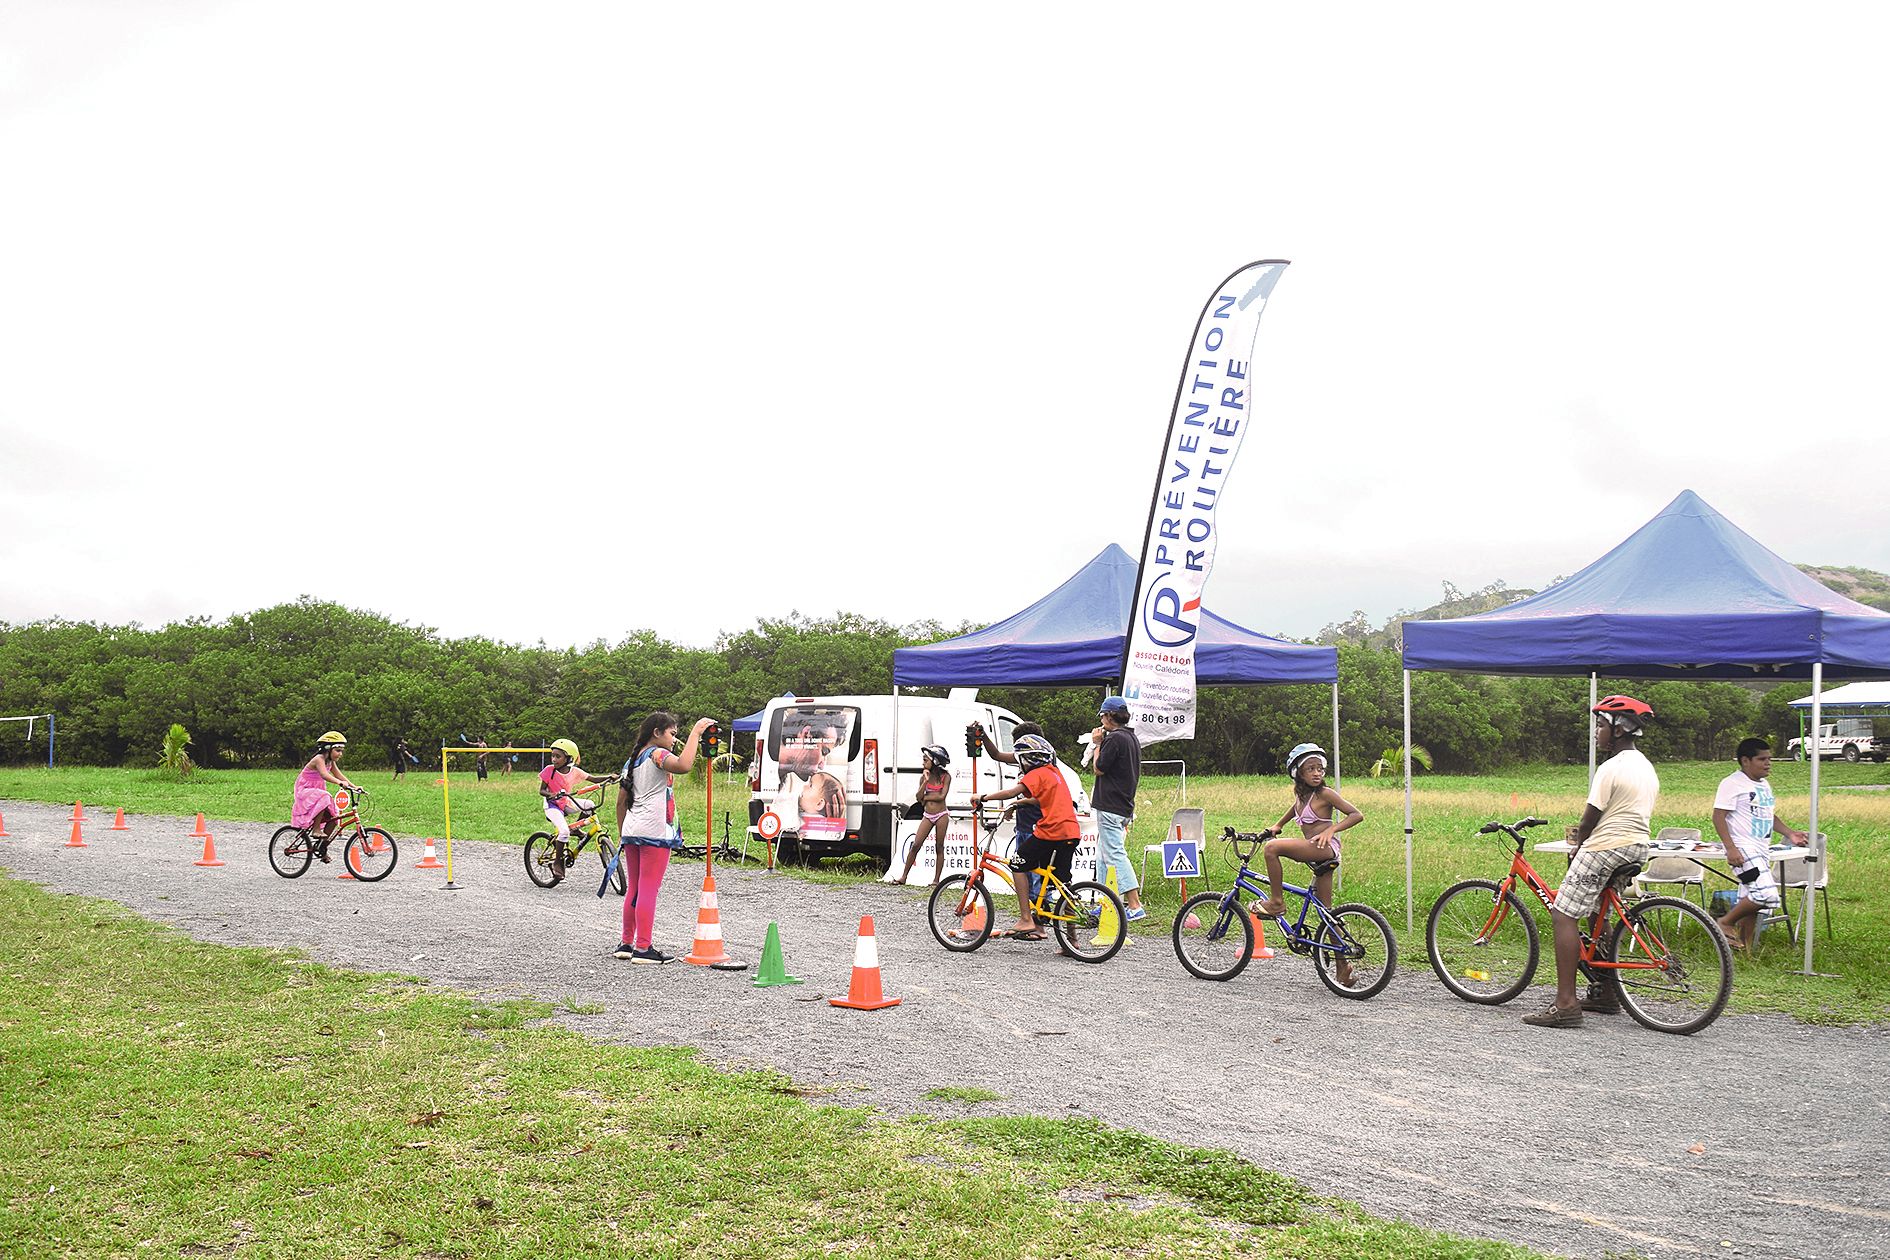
[{"x": 1853, "y": 739}]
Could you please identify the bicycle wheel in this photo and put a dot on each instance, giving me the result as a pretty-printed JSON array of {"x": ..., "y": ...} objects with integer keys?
[
  {"x": 1080, "y": 919},
  {"x": 960, "y": 919},
  {"x": 1359, "y": 938},
  {"x": 1482, "y": 951},
  {"x": 607, "y": 852},
  {"x": 370, "y": 855},
  {"x": 1688, "y": 988},
  {"x": 541, "y": 852},
  {"x": 290, "y": 852},
  {"x": 1213, "y": 936}
]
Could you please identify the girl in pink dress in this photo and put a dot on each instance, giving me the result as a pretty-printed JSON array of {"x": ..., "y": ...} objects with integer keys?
[{"x": 314, "y": 809}]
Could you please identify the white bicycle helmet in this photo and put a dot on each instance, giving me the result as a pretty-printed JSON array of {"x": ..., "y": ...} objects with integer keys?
[
  {"x": 1033, "y": 752},
  {"x": 1300, "y": 753}
]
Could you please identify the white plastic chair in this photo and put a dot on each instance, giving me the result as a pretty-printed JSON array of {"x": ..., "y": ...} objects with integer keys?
[
  {"x": 1795, "y": 873},
  {"x": 1672, "y": 868},
  {"x": 1193, "y": 826}
]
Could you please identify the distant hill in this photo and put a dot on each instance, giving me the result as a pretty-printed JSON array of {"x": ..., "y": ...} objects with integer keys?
[{"x": 1866, "y": 586}]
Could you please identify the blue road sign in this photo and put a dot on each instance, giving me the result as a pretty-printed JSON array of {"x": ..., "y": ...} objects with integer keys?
[{"x": 1181, "y": 859}]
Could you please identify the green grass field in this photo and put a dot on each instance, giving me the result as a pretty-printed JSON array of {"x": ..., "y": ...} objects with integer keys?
[
  {"x": 167, "y": 1097},
  {"x": 1448, "y": 809}
]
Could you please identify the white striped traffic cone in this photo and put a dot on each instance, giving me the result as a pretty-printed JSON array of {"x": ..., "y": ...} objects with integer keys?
[
  {"x": 707, "y": 950},
  {"x": 429, "y": 861},
  {"x": 863, "y": 994}
]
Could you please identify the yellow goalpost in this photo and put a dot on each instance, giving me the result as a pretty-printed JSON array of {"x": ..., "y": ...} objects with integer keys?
[{"x": 446, "y": 791}]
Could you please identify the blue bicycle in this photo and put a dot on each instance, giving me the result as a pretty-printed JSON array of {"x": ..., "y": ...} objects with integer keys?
[{"x": 1351, "y": 945}]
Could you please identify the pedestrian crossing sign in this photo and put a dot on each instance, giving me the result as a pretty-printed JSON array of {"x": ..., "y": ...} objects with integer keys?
[{"x": 1181, "y": 859}]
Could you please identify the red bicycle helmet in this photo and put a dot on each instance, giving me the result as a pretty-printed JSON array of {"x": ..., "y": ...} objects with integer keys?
[{"x": 1623, "y": 712}]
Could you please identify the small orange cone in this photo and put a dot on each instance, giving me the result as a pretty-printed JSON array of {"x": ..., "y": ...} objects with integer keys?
[
  {"x": 1260, "y": 947},
  {"x": 78, "y": 812},
  {"x": 118, "y": 823},
  {"x": 864, "y": 993},
  {"x": 348, "y": 859},
  {"x": 77, "y": 841},
  {"x": 429, "y": 861},
  {"x": 209, "y": 857},
  {"x": 707, "y": 949},
  {"x": 3, "y": 826},
  {"x": 201, "y": 830}
]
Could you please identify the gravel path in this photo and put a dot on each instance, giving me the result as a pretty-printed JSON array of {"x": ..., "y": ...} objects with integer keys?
[{"x": 1450, "y": 1115}]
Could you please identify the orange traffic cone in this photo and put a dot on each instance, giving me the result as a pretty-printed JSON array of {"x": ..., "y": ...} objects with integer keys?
[
  {"x": 78, "y": 811},
  {"x": 349, "y": 861},
  {"x": 201, "y": 831},
  {"x": 429, "y": 861},
  {"x": 3, "y": 826},
  {"x": 118, "y": 823},
  {"x": 707, "y": 950},
  {"x": 209, "y": 857},
  {"x": 77, "y": 841},
  {"x": 1260, "y": 948},
  {"x": 864, "y": 993}
]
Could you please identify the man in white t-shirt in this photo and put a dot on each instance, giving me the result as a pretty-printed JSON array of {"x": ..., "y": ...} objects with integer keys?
[
  {"x": 1742, "y": 815},
  {"x": 1613, "y": 833}
]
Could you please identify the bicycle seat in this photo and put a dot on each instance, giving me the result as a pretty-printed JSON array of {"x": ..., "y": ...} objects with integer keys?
[
  {"x": 1320, "y": 868},
  {"x": 1625, "y": 874}
]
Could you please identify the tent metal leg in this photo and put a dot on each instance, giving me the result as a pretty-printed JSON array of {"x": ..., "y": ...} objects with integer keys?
[{"x": 1408, "y": 910}]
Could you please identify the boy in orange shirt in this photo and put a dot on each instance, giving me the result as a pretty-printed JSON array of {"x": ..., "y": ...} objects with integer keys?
[{"x": 1053, "y": 842}]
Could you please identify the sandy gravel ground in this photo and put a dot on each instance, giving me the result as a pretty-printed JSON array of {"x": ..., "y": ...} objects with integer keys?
[{"x": 1413, "y": 1103}]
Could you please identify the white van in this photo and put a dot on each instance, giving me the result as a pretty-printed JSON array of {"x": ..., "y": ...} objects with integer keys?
[{"x": 833, "y": 775}]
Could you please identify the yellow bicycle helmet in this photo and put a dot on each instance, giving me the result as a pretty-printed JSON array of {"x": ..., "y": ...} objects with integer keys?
[
  {"x": 332, "y": 737},
  {"x": 566, "y": 747}
]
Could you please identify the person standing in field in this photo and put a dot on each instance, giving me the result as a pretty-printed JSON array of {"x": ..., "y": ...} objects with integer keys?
[
  {"x": 646, "y": 823},
  {"x": 1742, "y": 814},
  {"x": 402, "y": 755},
  {"x": 1118, "y": 775}
]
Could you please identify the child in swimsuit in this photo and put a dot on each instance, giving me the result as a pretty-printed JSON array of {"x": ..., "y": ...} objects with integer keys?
[
  {"x": 934, "y": 785},
  {"x": 1315, "y": 807}
]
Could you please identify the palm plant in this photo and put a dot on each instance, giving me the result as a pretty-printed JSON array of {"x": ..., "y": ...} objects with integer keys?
[
  {"x": 1391, "y": 761},
  {"x": 171, "y": 754}
]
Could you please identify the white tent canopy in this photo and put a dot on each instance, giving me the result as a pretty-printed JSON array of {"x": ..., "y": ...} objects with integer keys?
[{"x": 1857, "y": 695}]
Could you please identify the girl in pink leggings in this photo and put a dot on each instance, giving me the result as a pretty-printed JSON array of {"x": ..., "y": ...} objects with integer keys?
[{"x": 646, "y": 819}]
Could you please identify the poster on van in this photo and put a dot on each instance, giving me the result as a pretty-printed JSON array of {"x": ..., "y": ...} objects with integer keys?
[
  {"x": 813, "y": 745},
  {"x": 958, "y": 838}
]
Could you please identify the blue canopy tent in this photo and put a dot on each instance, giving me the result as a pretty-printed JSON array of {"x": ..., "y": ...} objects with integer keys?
[
  {"x": 1688, "y": 595},
  {"x": 1076, "y": 636},
  {"x": 752, "y": 722}
]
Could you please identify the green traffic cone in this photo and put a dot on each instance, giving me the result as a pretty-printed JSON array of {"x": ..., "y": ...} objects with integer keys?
[{"x": 773, "y": 970}]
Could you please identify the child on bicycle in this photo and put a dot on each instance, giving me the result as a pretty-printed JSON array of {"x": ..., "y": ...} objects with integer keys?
[
  {"x": 935, "y": 784},
  {"x": 1321, "y": 814},
  {"x": 1052, "y": 842},
  {"x": 314, "y": 809},
  {"x": 558, "y": 783},
  {"x": 1025, "y": 809}
]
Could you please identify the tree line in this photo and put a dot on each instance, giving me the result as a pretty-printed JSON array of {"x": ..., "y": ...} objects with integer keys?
[{"x": 256, "y": 689}]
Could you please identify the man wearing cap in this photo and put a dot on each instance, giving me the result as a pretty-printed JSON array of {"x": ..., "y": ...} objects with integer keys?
[
  {"x": 1118, "y": 774},
  {"x": 1613, "y": 833}
]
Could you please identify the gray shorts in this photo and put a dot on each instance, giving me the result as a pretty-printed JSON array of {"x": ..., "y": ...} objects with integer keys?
[{"x": 1589, "y": 873}]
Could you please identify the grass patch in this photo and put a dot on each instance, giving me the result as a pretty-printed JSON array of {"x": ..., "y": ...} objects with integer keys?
[
  {"x": 965, "y": 1094},
  {"x": 165, "y": 1096},
  {"x": 1447, "y": 808}
]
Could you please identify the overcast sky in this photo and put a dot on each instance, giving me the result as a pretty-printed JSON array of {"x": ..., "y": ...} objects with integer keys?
[{"x": 427, "y": 308}]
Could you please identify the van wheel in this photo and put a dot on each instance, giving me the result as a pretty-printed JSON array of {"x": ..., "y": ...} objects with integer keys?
[
  {"x": 1850, "y": 753},
  {"x": 788, "y": 850}
]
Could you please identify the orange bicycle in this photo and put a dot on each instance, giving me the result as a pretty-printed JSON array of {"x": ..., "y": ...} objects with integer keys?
[
  {"x": 1667, "y": 957},
  {"x": 961, "y": 913},
  {"x": 369, "y": 852}
]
